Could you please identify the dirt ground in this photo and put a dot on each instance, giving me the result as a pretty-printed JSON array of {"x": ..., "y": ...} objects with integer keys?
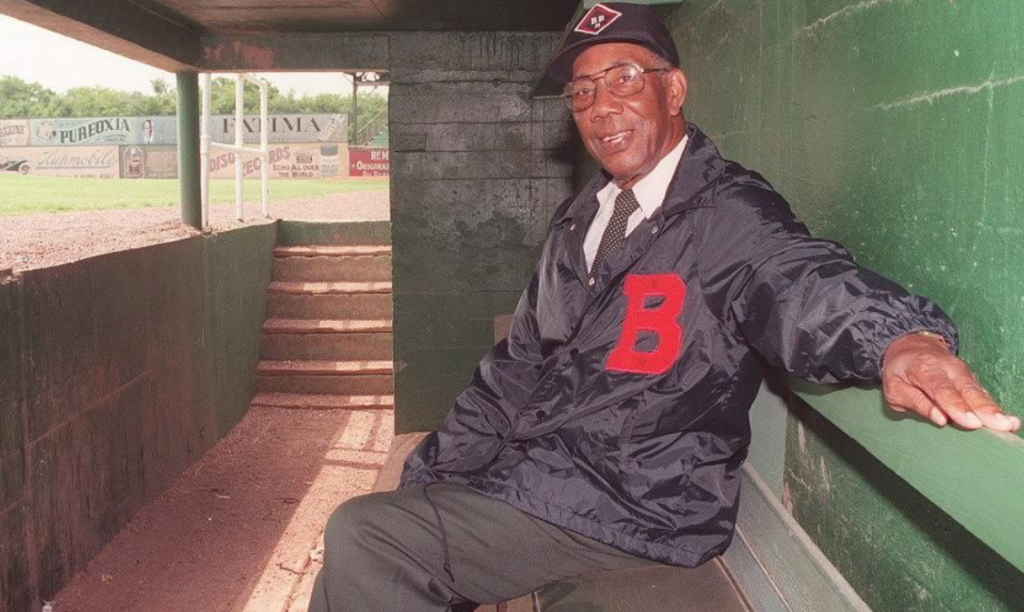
[
  {"x": 38, "y": 241},
  {"x": 240, "y": 530}
]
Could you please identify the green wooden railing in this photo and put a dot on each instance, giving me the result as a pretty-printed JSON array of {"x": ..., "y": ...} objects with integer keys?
[{"x": 976, "y": 477}]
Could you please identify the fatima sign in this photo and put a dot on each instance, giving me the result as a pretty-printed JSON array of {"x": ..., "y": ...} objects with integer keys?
[{"x": 283, "y": 128}]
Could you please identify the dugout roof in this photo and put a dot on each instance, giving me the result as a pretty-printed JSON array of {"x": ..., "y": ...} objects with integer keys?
[{"x": 169, "y": 34}]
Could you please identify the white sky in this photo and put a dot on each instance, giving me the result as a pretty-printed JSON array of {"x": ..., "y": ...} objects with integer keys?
[{"x": 60, "y": 63}]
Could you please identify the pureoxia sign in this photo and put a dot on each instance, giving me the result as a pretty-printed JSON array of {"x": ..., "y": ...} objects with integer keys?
[
  {"x": 81, "y": 131},
  {"x": 163, "y": 130}
]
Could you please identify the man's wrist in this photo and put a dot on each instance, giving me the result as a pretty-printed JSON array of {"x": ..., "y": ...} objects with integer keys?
[
  {"x": 932, "y": 335},
  {"x": 913, "y": 341}
]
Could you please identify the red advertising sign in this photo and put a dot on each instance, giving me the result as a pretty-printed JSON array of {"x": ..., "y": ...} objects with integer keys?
[{"x": 369, "y": 162}]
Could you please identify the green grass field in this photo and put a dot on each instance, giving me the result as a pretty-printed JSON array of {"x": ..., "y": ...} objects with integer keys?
[{"x": 21, "y": 195}]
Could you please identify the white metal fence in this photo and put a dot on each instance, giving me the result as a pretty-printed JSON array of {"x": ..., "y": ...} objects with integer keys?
[{"x": 206, "y": 143}]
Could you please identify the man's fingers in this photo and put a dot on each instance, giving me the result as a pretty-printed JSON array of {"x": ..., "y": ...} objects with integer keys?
[
  {"x": 982, "y": 404},
  {"x": 949, "y": 400},
  {"x": 954, "y": 390},
  {"x": 942, "y": 388},
  {"x": 902, "y": 396}
]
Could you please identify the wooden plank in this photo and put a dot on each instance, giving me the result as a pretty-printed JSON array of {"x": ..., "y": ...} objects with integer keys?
[
  {"x": 590, "y": 3},
  {"x": 147, "y": 33},
  {"x": 800, "y": 575},
  {"x": 974, "y": 476}
]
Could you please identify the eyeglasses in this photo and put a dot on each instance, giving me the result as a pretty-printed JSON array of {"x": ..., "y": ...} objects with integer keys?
[{"x": 622, "y": 80}]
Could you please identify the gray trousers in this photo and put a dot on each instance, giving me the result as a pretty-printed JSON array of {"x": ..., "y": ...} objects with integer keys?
[{"x": 425, "y": 549}]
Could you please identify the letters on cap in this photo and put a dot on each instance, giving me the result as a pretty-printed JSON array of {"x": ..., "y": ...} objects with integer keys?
[{"x": 597, "y": 19}]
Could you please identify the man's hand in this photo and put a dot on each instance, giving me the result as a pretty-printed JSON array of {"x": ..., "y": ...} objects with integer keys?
[{"x": 920, "y": 374}]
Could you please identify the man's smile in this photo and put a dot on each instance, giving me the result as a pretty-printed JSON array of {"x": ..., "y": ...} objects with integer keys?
[{"x": 616, "y": 137}]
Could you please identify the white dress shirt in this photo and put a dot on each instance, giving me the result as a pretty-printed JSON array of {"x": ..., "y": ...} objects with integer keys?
[{"x": 649, "y": 191}]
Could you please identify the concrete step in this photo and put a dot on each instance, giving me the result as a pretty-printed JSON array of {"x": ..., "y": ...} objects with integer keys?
[
  {"x": 323, "y": 368},
  {"x": 321, "y": 288},
  {"x": 344, "y": 384},
  {"x": 324, "y": 402},
  {"x": 374, "y": 268},
  {"x": 332, "y": 250},
  {"x": 322, "y": 326},
  {"x": 347, "y": 346},
  {"x": 329, "y": 306},
  {"x": 305, "y": 233}
]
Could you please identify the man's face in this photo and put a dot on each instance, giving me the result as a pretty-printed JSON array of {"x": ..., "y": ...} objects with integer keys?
[{"x": 629, "y": 135}]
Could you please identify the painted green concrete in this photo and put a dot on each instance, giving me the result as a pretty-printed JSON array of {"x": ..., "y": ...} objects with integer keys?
[
  {"x": 952, "y": 468},
  {"x": 189, "y": 161},
  {"x": 238, "y": 273},
  {"x": 893, "y": 128},
  {"x": 900, "y": 551},
  {"x": 15, "y": 581},
  {"x": 293, "y": 233},
  {"x": 12, "y": 428},
  {"x": 477, "y": 170},
  {"x": 15, "y": 567},
  {"x": 124, "y": 368}
]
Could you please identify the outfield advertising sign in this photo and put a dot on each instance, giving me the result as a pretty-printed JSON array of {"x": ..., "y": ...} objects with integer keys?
[
  {"x": 286, "y": 161},
  {"x": 283, "y": 128},
  {"x": 106, "y": 130},
  {"x": 14, "y": 132},
  {"x": 87, "y": 162},
  {"x": 161, "y": 162},
  {"x": 163, "y": 130},
  {"x": 369, "y": 162},
  {"x": 152, "y": 162}
]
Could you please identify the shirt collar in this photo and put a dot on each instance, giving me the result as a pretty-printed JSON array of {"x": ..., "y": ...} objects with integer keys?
[{"x": 650, "y": 190}]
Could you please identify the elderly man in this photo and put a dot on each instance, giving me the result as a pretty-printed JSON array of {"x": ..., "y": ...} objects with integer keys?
[{"x": 608, "y": 430}]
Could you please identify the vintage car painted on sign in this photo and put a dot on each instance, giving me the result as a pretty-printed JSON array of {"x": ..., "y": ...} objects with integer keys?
[{"x": 14, "y": 164}]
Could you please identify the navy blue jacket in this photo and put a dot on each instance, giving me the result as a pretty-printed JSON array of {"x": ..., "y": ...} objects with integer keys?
[{"x": 618, "y": 410}]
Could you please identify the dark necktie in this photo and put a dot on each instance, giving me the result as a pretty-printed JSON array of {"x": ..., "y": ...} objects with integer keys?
[{"x": 615, "y": 234}]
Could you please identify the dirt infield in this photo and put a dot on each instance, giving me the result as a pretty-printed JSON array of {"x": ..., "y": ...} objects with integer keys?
[{"x": 39, "y": 241}]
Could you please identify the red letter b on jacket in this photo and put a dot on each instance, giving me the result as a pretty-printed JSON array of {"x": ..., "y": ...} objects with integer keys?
[{"x": 662, "y": 320}]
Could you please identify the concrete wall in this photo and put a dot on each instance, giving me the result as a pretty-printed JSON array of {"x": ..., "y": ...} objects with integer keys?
[
  {"x": 477, "y": 169},
  {"x": 894, "y": 128},
  {"x": 116, "y": 373}
]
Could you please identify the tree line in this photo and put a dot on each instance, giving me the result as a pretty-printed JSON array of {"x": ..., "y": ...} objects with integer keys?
[{"x": 20, "y": 99}]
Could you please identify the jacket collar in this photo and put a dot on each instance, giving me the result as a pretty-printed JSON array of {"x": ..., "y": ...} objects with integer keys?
[{"x": 700, "y": 164}]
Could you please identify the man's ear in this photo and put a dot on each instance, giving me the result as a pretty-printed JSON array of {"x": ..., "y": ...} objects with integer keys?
[{"x": 676, "y": 89}]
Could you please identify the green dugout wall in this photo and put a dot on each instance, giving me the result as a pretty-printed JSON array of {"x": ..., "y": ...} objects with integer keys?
[{"x": 894, "y": 127}]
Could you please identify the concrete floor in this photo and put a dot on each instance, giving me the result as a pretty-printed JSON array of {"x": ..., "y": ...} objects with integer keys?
[{"x": 240, "y": 530}]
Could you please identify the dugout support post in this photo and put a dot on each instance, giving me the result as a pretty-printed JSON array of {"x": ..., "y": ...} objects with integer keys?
[{"x": 189, "y": 180}]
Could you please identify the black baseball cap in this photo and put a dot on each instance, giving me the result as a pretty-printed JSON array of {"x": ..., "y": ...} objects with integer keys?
[{"x": 613, "y": 22}]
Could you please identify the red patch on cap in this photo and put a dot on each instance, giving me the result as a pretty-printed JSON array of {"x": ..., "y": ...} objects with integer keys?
[{"x": 597, "y": 19}]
